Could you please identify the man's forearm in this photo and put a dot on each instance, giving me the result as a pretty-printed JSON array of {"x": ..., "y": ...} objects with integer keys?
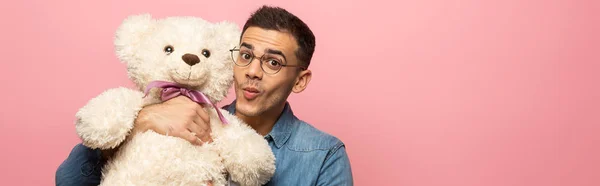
[{"x": 82, "y": 167}]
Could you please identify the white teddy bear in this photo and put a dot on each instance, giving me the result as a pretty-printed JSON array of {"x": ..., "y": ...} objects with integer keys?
[{"x": 168, "y": 57}]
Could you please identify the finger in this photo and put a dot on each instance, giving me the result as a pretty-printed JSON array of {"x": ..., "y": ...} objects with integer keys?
[
  {"x": 203, "y": 114},
  {"x": 191, "y": 137},
  {"x": 196, "y": 128},
  {"x": 206, "y": 138},
  {"x": 204, "y": 133},
  {"x": 204, "y": 123}
]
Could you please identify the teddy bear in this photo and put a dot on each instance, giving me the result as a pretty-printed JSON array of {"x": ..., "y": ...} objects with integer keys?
[{"x": 165, "y": 58}]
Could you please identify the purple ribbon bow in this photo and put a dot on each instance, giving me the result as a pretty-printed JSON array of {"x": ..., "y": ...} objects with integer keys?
[{"x": 171, "y": 90}]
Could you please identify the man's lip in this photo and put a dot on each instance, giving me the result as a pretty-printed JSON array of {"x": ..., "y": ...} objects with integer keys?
[
  {"x": 250, "y": 93},
  {"x": 251, "y": 89}
]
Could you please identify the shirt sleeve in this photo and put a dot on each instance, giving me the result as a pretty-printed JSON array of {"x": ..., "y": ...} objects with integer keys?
[
  {"x": 336, "y": 168},
  {"x": 82, "y": 167}
]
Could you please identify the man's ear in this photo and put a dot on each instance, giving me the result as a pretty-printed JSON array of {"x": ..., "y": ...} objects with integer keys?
[
  {"x": 130, "y": 34},
  {"x": 302, "y": 81}
]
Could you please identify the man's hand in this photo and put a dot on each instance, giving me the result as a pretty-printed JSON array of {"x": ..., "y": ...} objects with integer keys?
[{"x": 179, "y": 117}]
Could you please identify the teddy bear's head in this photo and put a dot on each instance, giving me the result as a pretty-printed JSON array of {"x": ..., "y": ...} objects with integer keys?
[{"x": 185, "y": 50}]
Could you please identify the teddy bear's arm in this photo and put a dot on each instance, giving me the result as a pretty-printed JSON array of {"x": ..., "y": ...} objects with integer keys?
[
  {"x": 246, "y": 154},
  {"x": 106, "y": 120}
]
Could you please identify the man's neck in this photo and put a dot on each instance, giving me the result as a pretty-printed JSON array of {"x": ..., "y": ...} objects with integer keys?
[{"x": 263, "y": 124}]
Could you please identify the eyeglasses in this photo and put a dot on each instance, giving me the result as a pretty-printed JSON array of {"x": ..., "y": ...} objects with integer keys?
[{"x": 269, "y": 63}]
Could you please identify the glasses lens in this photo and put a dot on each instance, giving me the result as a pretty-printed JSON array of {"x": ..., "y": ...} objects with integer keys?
[
  {"x": 271, "y": 66},
  {"x": 241, "y": 58}
]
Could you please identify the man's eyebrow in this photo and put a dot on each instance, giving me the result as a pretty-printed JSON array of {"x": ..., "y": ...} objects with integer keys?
[
  {"x": 249, "y": 46},
  {"x": 278, "y": 52}
]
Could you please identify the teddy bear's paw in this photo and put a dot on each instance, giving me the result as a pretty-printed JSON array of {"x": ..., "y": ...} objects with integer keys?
[
  {"x": 246, "y": 155},
  {"x": 105, "y": 121}
]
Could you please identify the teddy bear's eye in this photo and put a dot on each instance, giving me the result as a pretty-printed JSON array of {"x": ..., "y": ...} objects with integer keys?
[
  {"x": 206, "y": 53},
  {"x": 168, "y": 49}
]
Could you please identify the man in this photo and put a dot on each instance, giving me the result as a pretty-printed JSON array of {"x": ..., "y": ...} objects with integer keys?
[{"x": 272, "y": 61}]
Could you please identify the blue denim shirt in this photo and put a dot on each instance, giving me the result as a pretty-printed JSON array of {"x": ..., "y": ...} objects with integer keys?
[{"x": 304, "y": 156}]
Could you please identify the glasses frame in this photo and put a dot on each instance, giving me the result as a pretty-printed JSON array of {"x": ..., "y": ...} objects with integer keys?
[{"x": 261, "y": 60}]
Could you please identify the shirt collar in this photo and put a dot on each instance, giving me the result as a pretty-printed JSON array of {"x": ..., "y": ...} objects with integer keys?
[{"x": 282, "y": 129}]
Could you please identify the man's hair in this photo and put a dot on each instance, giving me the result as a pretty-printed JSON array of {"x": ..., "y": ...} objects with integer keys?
[{"x": 276, "y": 18}]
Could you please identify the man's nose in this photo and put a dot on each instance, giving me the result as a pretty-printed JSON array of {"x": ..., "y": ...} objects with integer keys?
[{"x": 254, "y": 70}]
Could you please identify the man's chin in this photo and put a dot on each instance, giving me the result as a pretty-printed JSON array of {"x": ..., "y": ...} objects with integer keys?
[{"x": 246, "y": 109}]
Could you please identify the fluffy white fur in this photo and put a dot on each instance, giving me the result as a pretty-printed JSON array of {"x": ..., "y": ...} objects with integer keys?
[{"x": 153, "y": 159}]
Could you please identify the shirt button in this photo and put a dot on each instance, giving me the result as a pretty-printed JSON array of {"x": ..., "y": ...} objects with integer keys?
[{"x": 87, "y": 169}]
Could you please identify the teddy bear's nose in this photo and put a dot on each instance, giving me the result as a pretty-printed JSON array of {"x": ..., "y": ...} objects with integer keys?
[{"x": 191, "y": 59}]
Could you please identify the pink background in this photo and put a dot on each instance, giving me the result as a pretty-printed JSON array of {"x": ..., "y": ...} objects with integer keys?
[{"x": 432, "y": 92}]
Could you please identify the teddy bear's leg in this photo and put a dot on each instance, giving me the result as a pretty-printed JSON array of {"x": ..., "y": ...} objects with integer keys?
[
  {"x": 246, "y": 154},
  {"x": 149, "y": 158},
  {"x": 106, "y": 120}
]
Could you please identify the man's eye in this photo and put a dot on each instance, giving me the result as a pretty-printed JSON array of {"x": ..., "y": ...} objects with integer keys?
[
  {"x": 246, "y": 56},
  {"x": 274, "y": 63}
]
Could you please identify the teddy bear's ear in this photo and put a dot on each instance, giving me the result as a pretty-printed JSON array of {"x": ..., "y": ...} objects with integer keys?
[
  {"x": 129, "y": 35},
  {"x": 229, "y": 32}
]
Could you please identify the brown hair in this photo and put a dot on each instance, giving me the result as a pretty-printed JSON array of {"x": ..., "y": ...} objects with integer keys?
[{"x": 276, "y": 18}]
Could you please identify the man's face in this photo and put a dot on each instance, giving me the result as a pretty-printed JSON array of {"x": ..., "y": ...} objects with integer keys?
[{"x": 257, "y": 91}]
